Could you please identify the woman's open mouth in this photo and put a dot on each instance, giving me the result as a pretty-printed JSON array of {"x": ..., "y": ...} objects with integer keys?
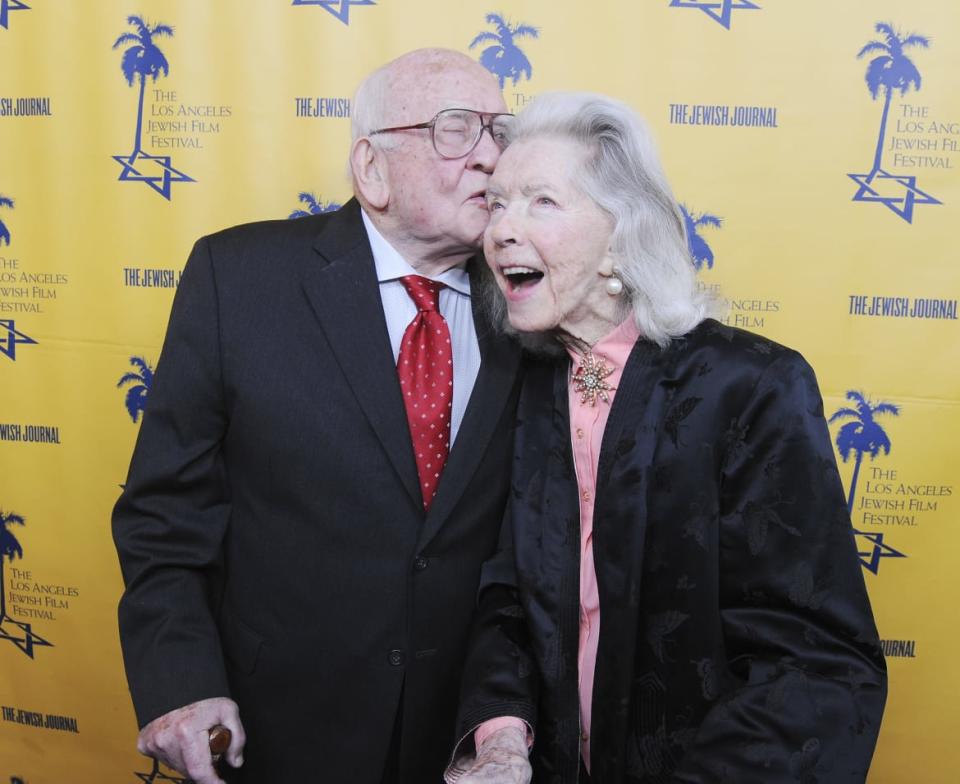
[{"x": 520, "y": 277}]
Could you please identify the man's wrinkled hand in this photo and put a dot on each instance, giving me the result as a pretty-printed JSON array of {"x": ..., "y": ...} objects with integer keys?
[
  {"x": 181, "y": 739},
  {"x": 501, "y": 759}
]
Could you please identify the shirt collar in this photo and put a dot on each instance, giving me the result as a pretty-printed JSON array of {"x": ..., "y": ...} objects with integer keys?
[{"x": 392, "y": 266}]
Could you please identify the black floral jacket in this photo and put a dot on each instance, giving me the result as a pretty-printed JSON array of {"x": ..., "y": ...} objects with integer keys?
[{"x": 737, "y": 642}]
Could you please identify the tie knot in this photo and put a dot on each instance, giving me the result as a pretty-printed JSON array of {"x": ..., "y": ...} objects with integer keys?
[{"x": 424, "y": 292}]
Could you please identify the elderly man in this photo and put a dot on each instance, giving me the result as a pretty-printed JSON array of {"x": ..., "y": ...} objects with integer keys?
[{"x": 322, "y": 467}]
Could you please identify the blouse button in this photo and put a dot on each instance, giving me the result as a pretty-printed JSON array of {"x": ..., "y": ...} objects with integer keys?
[
  {"x": 586, "y": 495},
  {"x": 580, "y": 433}
]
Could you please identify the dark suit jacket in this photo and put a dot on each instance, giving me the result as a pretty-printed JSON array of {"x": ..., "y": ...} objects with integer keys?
[
  {"x": 736, "y": 638},
  {"x": 271, "y": 533}
]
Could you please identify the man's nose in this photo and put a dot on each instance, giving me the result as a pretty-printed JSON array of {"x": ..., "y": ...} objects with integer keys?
[{"x": 487, "y": 152}]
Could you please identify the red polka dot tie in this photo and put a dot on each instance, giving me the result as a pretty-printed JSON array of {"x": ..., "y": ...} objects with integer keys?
[{"x": 425, "y": 368}]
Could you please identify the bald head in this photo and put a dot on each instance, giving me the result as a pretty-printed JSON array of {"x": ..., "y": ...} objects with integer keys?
[
  {"x": 388, "y": 95},
  {"x": 429, "y": 207}
]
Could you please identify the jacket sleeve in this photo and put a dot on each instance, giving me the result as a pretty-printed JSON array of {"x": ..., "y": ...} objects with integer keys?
[
  {"x": 499, "y": 675},
  {"x": 169, "y": 522},
  {"x": 807, "y": 677}
]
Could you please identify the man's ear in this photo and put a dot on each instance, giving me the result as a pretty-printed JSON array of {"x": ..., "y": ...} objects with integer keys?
[{"x": 370, "y": 173}]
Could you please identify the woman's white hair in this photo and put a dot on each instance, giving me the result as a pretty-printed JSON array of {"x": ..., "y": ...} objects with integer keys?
[{"x": 623, "y": 176}]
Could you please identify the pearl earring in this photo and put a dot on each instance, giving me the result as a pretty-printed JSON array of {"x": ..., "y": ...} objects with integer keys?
[{"x": 614, "y": 286}]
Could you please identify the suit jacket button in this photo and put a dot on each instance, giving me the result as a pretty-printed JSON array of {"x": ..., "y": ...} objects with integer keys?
[
  {"x": 396, "y": 657},
  {"x": 420, "y": 564}
]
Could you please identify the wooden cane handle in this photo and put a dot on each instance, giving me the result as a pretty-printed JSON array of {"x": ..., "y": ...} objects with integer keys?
[{"x": 219, "y": 741}]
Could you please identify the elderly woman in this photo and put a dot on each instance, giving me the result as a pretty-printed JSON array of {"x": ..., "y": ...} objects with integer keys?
[{"x": 677, "y": 597}]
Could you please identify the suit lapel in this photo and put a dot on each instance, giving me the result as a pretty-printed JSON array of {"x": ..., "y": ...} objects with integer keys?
[
  {"x": 345, "y": 296},
  {"x": 634, "y": 411},
  {"x": 621, "y": 522},
  {"x": 499, "y": 365}
]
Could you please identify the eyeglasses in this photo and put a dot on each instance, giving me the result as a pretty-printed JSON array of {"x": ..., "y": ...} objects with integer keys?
[{"x": 456, "y": 132}]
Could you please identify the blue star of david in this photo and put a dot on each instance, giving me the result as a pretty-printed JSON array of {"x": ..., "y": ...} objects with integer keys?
[
  {"x": 158, "y": 775},
  {"x": 8, "y": 342},
  {"x": 10, "y": 5},
  {"x": 870, "y": 559},
  {"x": 902, "y": 205},
  {"x": 710, "y": 8},
  {"x": 25, "y": 639},
  {"x": 342, "y": 11},
  {"x": 160, "y": 183}
]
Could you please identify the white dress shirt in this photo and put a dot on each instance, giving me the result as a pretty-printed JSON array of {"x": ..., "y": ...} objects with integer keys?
[{"x": 455, "y": 307}]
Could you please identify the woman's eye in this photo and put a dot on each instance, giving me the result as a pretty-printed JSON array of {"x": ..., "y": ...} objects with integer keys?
[
  {"x": 546, "y": 201},
  {"x": 494, "y": 205}
]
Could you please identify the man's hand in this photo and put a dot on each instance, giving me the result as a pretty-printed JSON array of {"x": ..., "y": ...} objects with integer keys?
[
  {"x": 181, "y": 739},
  {"x": 501, "y": 759}
]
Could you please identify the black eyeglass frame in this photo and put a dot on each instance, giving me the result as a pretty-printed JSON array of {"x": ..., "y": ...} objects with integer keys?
[{"x": 431, "y": 124}]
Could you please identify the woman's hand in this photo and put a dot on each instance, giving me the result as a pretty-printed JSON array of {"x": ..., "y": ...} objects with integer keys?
[{"x": 501, "y": 759}]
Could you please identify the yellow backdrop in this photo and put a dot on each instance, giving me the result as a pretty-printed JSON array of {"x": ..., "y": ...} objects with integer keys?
[{"x": 814, "y": 151}]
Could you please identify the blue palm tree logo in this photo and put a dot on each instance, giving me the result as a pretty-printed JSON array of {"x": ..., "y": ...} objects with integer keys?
[
  {"x": 6, "y": 6},
  {"x": 4, "y": 231},
  {"x": 700, "y": 251},
  {"x": 504, "y": 59},
  {"x": 720, "y": 11},
  {"x": 863, "y": 435},
  {"x": 17, "y": 632},
  {"x": 313, "y": 207},
  {"x": 10, "y": 549},
  {"x": 887, "y": 73},
  {"x": 143, "y": 59},
  {"x": 140, "y": 381}
]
